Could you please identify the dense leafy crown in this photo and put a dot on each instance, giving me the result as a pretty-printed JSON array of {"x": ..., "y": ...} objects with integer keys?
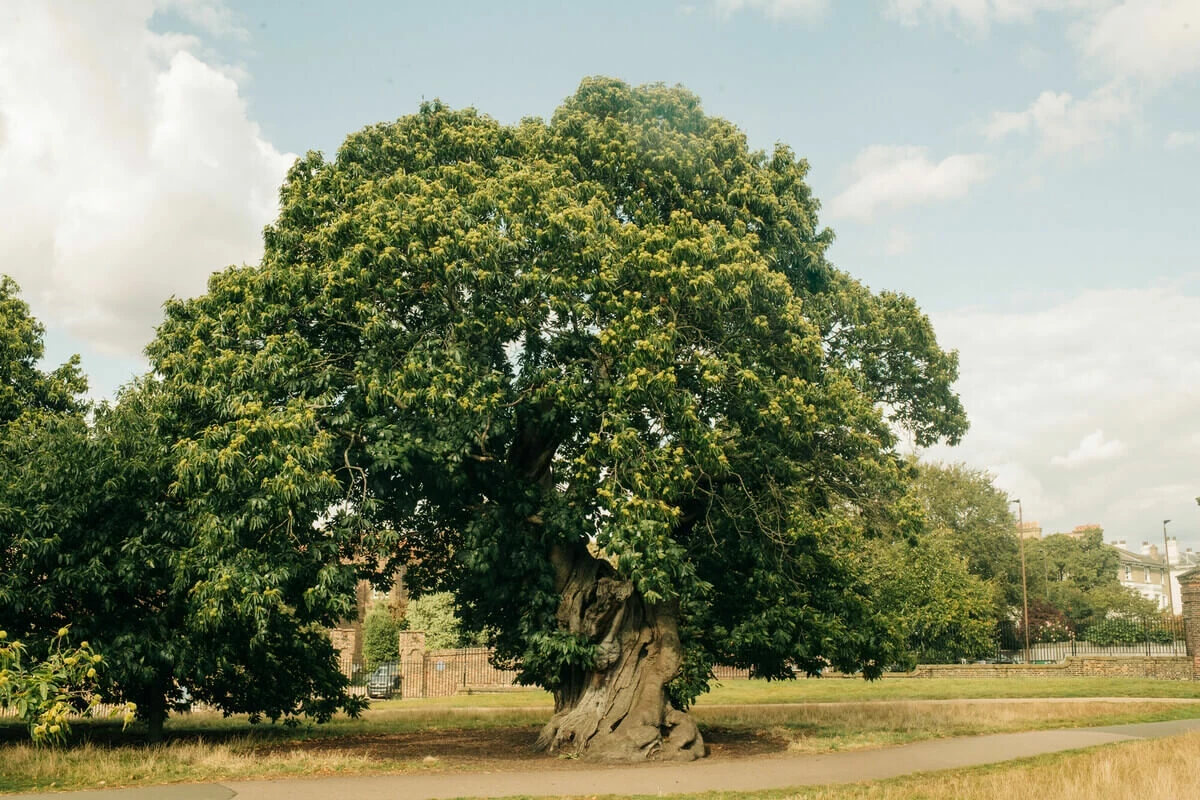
[{"x": 468, "y": 342}]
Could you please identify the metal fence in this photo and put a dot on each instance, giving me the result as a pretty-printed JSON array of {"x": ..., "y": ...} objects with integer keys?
[
  {"x": 1117, "y": 636},
  {"x": 446, "y": 672},
  {"x": 437, "y": 673},
  {"x": 356, "y": 671}
]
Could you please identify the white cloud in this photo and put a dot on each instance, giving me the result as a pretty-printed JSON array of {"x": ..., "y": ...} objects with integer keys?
[
  {"x": 895, "y": 177},
  {"x": 803, "y": 10},
  {"x": 1063, "y": 124},
  {"x": 1108, "y": 380},
  {"x": 1180, "y": 140},
  {"x": 210, "y": 15},
  {"x": 1093, "y": 447},
  {"x": 1153, "y": 41},
  {"x": 979, "y": 15},
  {"x": 130, "y": 167}
]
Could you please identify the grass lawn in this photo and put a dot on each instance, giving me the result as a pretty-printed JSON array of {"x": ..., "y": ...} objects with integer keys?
[
  {"x": 837, "y": 690},
  {"x": 808, "y": 716}
]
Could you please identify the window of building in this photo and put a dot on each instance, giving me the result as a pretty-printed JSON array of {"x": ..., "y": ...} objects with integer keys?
[
  {"x": 1147, "y": 578},
  {"x": 1128, "y": 572}
]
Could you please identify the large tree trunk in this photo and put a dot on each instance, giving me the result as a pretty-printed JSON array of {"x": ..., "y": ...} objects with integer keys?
[
  {"x": 619, "y": 709},
  {"x": 156, "y": 715}
]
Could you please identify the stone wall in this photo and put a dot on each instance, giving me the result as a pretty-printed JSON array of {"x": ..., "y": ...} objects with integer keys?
[
  {"x": 1172, "y": 668},
  {"x": 345, "y": 641}
]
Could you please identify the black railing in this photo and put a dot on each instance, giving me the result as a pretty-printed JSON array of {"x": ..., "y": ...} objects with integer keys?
[{"x": 1115, "y": 636}]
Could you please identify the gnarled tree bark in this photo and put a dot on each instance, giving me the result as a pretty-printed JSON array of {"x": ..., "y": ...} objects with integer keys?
[{"x": 619, "y": 709}]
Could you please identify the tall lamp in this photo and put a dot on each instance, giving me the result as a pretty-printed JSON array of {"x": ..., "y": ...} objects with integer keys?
[{"x": 1167, "y": 572}]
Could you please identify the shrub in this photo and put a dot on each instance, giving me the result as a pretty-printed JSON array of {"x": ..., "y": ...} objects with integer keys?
[
  {"x": 1115, "y": 632},
  {"x": 381, "y": 641},
  {"x": 435, "y": 614}
]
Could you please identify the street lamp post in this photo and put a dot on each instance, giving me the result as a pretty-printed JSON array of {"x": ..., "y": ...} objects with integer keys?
[
  {"x": 1167, "y": 572},
  {"x": 1024, "y": 584}
]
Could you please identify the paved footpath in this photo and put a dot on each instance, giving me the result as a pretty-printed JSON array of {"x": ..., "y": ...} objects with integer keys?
[{"x": 745, "y": 774}]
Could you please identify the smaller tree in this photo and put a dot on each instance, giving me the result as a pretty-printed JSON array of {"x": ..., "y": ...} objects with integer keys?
[
  {"x": 1078, "y": 575},
  {"x": 381, "y": 637},
  {"x": 1047, "y": 622},
  {"x": 436, "y": 615},
  {"x": 935, "y": 606},
  {"x": 964, "y": 507}
]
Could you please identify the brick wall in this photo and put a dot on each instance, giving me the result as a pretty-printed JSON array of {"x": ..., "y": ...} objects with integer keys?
[
  {"x": 1189, "y": 591},
  {"x": 345, "y": 641}
]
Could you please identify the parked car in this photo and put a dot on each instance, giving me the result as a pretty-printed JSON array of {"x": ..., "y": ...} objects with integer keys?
[{"x": 384, "y": 681}]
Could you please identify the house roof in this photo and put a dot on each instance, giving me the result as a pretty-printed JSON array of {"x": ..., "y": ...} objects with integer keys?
[{"x": 1137, "y": 558}]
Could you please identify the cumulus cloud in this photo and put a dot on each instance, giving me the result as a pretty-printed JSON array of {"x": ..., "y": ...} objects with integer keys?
[
  {"x": 1064, "y": 124},
  {"x": 894, "y": 177},
  {"x": 803, "y": 10},
  {"x": 1086, "y": 410},
  {"x": 1152, "y": 41},
  {"x": 1182, "y": 140},
  {"x": 130, "y": 167},
  {"x": 1093, "y": 447},
  {"x": 978, "y": 15}
]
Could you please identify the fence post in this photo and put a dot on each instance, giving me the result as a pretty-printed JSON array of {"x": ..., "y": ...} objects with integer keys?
[
  {"x": 412, "y": 663},
  {"x": 1189, "y": 590}
]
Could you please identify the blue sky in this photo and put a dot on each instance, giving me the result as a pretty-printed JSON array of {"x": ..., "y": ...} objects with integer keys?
[{"x": 1026, "y": 169}]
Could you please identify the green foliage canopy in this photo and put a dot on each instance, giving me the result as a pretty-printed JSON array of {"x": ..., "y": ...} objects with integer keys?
[
  {"x": 468, "y": 344},
  {"x": 24, "y": 388}
]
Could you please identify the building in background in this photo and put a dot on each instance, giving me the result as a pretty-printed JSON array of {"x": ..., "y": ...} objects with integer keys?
[
  {"x": 1142, "y": 572},
  {"x": 1151, "y": 575}
]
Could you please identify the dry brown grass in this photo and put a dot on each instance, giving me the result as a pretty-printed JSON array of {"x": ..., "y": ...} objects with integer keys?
[
  {"x": 89, "y": 766},
  {"x": 1164, "y": 768}
]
